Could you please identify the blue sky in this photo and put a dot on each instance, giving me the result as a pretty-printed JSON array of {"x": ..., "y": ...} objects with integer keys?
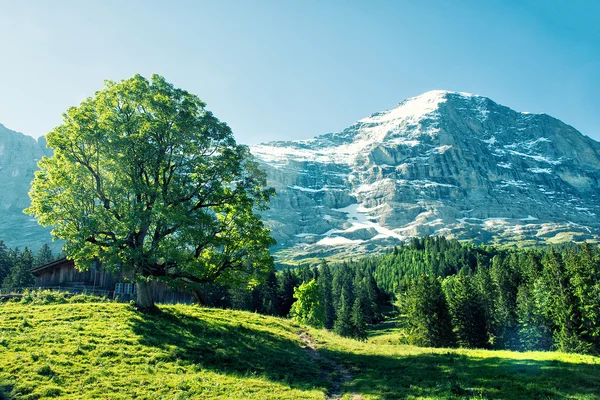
[{"x": 279, "y": 70}]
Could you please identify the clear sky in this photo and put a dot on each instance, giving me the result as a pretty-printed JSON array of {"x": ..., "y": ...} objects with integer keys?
[{"x": 283, "y": 69}]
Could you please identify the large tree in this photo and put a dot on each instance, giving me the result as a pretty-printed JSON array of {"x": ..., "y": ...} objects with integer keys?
[{"x": 147, "y": 180}]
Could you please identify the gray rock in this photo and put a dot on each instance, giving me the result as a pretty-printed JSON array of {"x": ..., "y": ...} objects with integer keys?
[{"x": 442, "y": 163}]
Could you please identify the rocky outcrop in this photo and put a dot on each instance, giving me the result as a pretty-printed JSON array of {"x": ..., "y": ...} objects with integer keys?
[{"x": 442, "y": 163}]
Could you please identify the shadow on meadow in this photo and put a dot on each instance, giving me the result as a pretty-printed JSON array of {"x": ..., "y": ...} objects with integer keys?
[
  {"x": 450, "y": 375},
  {"x": 216, "y": 342},
  {"x": 5, "y": 390},
  {"x": 213, "y": 342}
]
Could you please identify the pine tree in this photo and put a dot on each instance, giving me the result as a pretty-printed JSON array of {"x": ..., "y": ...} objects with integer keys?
[
  {"x": 44, "y": 256},
  {"x": 559, "y": 304},
  {"x": 20, "y": 276},
  {"x": 343, "y": 322},
  {"x": 488, "y": 294},
  {"x": 534, "y": 333},
  {"x": 6, "y": 262},
  {"x": 467, "y": 310},
  {"x": 286, "y": 291},
  {"x": 359, "y": 323},
  {"x": 583, "y": 268},
  {"x": 505, "y": 276},
  {"x": 269, "y": 303},
  {"x": 325, "y": 285},
  {"x": 426, "y": 310}
]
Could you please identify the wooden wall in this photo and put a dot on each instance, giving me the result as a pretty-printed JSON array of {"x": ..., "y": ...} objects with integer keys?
[{"x": 66, "y": 275}]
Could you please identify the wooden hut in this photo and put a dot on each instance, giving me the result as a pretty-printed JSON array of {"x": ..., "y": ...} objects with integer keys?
[{"x": 62, "y": 275}]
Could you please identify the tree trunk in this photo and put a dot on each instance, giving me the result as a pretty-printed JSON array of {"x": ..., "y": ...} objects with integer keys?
[
  {"x": 144, "y": 300},
  {"x": 199, "y": 297}
]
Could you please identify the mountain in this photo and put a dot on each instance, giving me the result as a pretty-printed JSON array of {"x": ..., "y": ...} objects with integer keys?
[
  {"x": 442, "y": 163},
  {"x": 19, "y": 155}
]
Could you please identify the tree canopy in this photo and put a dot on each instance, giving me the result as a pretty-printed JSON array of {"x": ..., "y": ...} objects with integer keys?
[{"x": 147, "y": 180}]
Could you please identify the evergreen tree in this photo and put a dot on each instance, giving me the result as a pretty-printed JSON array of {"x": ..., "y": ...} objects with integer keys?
[
  {"x": 534, "y": 333},
  {"x": 20, "y": 276},
  {"x": 325, "y": 285},
  {"x": 343, "y": 321},
  {"x": 426, "y": 313},
  {"x": 504, "y": 274},
  {"x": 559, "y": 304},
  {"x": 6, "y": 261},
  {"x": 488, "y": 295},
  {"x": 288, "y": 282},
  {"x": 583, "y": 268},
  {"x": 467, "y": 310},
  {"x": 359, "y": 323},
  {"x": 44, "y": 256},
  {"x": 269, "y": 298}
]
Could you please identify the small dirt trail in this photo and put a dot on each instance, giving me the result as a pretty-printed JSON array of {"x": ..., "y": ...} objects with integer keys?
[{"x": 336, "y": 373}]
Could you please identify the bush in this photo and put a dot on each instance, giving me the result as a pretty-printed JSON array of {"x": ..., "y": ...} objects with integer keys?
[{"x": 42, "y": 297}]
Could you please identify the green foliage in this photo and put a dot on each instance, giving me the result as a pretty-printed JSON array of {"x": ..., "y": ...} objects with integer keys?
[
  {"x": 533, "y": 299},
  {"x": 144, "y": 178},
  {"x": 426, "y": 313},
  {"x": 42, "y": 297},
  {"x": 19, "y": 275},
  {"x": 358, "y": 318},
  {"x": 6, "y": 262},
  {"x": 343, "y": 323},
  {"x": 325, "y": 285},
  {"x": 308, "y": 308},
  {"x": 44, "y": 256},
  {"x": 534, "y": 333},
  {"x": 467, "y": 311}
]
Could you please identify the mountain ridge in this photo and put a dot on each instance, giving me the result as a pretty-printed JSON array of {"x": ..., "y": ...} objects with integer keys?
[
  {"x": 445, "y": 159},
  {"x": 441, "y": 163}
]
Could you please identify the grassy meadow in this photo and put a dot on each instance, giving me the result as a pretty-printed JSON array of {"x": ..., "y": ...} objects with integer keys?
[{"x": 110, "y": 351}]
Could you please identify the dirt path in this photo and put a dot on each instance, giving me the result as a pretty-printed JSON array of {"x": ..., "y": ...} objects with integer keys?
[{"x": 336, "y": 373}]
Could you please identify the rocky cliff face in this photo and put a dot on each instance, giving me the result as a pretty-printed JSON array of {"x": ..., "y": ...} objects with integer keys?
[
  {"x": 442, "y": 163},
  {"x": 19, "y": 155}
]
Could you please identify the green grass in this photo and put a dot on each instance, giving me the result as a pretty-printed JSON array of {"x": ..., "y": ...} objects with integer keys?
[
  {"x": 384, "y": 368},
  {"x": 109, "y": 350}
]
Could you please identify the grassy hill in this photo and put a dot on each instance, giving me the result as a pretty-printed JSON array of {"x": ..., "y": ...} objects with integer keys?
[{"x": 108, "y": 350}]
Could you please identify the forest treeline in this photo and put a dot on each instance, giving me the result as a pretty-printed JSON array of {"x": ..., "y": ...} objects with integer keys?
[
  {"x": 16, "y": 265},
  {"x": 446, "y": 294},
  {"x": 451, "y": 294}
]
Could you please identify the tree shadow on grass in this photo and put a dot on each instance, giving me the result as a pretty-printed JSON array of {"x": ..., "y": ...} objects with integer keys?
[
  {"x": 5, "y": 390},
  {"x": 451, "y": 375},
  {"x": 224, "y": 345}
]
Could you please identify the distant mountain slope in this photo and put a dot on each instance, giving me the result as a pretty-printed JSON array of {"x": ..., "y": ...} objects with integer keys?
[
  {"x": 19, "y": 155},
  {"x": 447, "y": 163}
]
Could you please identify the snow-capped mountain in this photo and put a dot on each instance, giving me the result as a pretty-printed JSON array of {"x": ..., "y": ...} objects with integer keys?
[{"x": 442, "y": 163}]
